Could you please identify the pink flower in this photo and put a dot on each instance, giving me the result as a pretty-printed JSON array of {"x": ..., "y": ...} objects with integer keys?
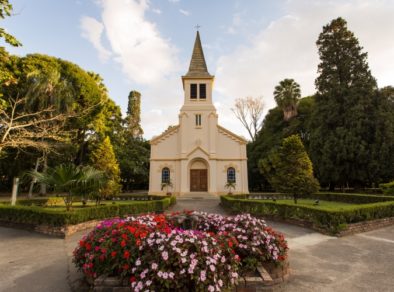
[
  {"x": 154, "y": 266},
  {"x": 203, "y": 276},
  {"x": 164, "y": 254}
]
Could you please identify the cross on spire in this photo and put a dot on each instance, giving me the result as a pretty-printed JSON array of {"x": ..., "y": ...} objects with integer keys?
[{"x": 197, "y": 27}]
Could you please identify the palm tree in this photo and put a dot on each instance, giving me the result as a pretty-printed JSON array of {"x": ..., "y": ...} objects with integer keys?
[
  {"x": 287, "y": 95},
  {"x": 70, "y": 180}
]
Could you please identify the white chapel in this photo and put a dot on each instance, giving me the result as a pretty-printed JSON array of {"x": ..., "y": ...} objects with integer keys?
[{"x": 198, "y": 155}]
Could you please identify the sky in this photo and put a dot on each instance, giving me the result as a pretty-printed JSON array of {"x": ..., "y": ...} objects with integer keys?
[{"x": 249, "y": 46}]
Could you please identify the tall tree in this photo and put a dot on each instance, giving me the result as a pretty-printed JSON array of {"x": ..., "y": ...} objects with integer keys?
[
  {"x": 133, "y": 118},
  {"x": 274, "y": 130},
  {"x": 287, "y": 95},
  {"x": 6, "y": 10},
  {"x": 249, "y": 111},
  {"x": 289, "y": 169},
  {"x": 343, "y": 123},
  {"x": 103, "y": 159}
]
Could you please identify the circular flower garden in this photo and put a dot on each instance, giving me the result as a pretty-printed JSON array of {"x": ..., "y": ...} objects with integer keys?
[{"x": 189, "y": 251}]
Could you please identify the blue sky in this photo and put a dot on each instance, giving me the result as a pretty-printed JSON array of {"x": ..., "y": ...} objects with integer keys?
[{"x": 249, "y": 45}]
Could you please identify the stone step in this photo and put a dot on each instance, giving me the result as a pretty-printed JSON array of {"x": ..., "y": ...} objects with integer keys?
[{"x": 198, "y": 196}]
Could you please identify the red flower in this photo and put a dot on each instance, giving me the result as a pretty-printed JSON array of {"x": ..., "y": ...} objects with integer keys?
[
  {"x": 126, "y": 254},
  {"x": 131, "y": 229},
  {"x": 124, "y": 236},
  {"x": 132, "y": 279},
  {"x": 138, "y": 242},
  {"x": 126, "y": 267},
  {"x": 88, "y": 246},
  {"x": 81, "y": 243},
  {"x": 113, "y": 254},
  {"x": 123, "y": 243},
  {"x": 230, "y": 243}
]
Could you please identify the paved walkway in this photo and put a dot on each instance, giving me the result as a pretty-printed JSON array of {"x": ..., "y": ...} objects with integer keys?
[{"x": 364, "y": 262}]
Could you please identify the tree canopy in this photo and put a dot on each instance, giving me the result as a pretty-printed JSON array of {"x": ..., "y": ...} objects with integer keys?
[{"x": 289, "y": 169}]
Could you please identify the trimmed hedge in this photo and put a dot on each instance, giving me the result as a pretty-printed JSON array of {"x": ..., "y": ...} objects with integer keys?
[
  {"x": 327, "y": 196},
  {"x": 388, "y": 188},
  {"x": 36, "y": 215},
  {"x": 331, "y": 221},
  {"x": 349, "y": 198}
]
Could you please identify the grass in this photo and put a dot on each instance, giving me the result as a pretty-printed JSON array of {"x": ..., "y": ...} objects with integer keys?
[{"x": 323, "y": 205}]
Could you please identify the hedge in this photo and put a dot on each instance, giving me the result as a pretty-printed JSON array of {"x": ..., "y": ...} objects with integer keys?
[
  {"x": 349, "y": 198},
  {"x": 36, "y": 215},
  {"x": 388, "y": 188},
  {"x": 331, "y": 221},
  {"x": 328, "y": 196}
]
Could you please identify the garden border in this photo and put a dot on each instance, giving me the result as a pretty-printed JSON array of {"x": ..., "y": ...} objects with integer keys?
[
  {"x": 362, "y": 218},
  {"x": 63, "y": 224}
]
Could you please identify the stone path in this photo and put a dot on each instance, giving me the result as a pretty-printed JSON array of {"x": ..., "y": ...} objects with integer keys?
[{"x": 364, "y": 262}]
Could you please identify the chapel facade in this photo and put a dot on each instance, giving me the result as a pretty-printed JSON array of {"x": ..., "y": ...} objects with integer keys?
[{"x": 198, "y": 155}]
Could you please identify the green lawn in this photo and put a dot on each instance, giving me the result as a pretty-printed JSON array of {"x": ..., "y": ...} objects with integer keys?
[{"x": 323, "y": 205}]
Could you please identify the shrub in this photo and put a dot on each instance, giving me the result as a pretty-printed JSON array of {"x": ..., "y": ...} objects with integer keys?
[
  {"x": 155, "y": 253},
  {"x": 35, "y": 215},
  {"x": 331, "y": 221},
  {"x": 388, "y": 188}
]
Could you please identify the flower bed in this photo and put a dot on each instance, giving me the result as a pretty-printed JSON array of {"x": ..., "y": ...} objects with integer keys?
[{"x": 188, "y": 251}]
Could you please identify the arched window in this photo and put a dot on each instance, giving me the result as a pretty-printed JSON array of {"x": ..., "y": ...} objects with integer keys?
[
  {"x": 165, "y": 175},
  {"x": 231, "y": 174}
]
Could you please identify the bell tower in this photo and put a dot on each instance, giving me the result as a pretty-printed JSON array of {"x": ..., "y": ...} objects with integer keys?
[{"x": 197, "y": 83}]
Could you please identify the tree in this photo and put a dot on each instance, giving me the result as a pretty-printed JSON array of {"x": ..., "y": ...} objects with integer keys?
[
  {"x": 249, "y": 111},
  {"x": 289, "y": 169},
  {"x": 274, "y": 130},
  {"x": 133, "y": 156},
  {"x": 133, "y": 118},
  {"x": 6, "y": 10},
  {"x": 35, "y": 117},
  {"x": 69, "y": 180},
  {"x": 343, "y": 121},
  {"x": 103, "y": 158},
  {"x": 287, "y": 95}
]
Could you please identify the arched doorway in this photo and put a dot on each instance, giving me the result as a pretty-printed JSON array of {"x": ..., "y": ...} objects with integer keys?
[{"x": 198, "y": 176}]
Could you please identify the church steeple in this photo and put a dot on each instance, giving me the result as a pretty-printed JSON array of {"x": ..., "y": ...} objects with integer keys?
[
  {"x": 198, "y": 67},
  {"x": 198, "y": 83}
]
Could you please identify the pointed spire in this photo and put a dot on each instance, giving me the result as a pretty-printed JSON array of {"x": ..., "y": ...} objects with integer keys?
[{"x": 198, "y": 67}]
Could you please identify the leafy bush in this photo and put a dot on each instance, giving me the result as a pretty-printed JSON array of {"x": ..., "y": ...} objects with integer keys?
[
  {"x": 36, "y": 215},
  {"x": 155, "y": 253},
  {"x": 388, "y": 188},
  {"x": 332, "y": 221}
]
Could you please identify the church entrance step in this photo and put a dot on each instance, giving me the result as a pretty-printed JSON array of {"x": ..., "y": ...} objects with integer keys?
[{"x": 197, "y": 196}]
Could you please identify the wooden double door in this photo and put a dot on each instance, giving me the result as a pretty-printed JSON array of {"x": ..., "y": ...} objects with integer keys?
[{"x": 198, "y": 180}]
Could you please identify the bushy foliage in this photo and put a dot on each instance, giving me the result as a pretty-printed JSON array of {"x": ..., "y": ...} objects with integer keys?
[
  {"x": 103, "y": 158},
  {"x": 388, "y": 188},
  {"x": 289, "y": 169}
]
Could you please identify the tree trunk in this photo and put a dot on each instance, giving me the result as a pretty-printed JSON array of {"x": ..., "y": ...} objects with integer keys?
[
  {"x": 43, "y": 186},
  {"x": 295, "y": 198},
  {"x": 14, "y": 191},
  {"x": 34, "y": 180}
]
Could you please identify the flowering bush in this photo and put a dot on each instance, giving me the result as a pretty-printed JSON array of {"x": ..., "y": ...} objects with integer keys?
[
  {"x": 156, "y": 252},
  {"x": 256, "y": 241}
]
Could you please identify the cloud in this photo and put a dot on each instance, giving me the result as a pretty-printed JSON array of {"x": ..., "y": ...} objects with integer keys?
[
  {"x": 173, "y": 1},
  {"x": 92, "y": 30},
  {"x": 135, "y": 42},
  {"x": 184, "y": 12},
  {"x": 286, "y": 49},
  {"x": 156, "y": 10}
]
